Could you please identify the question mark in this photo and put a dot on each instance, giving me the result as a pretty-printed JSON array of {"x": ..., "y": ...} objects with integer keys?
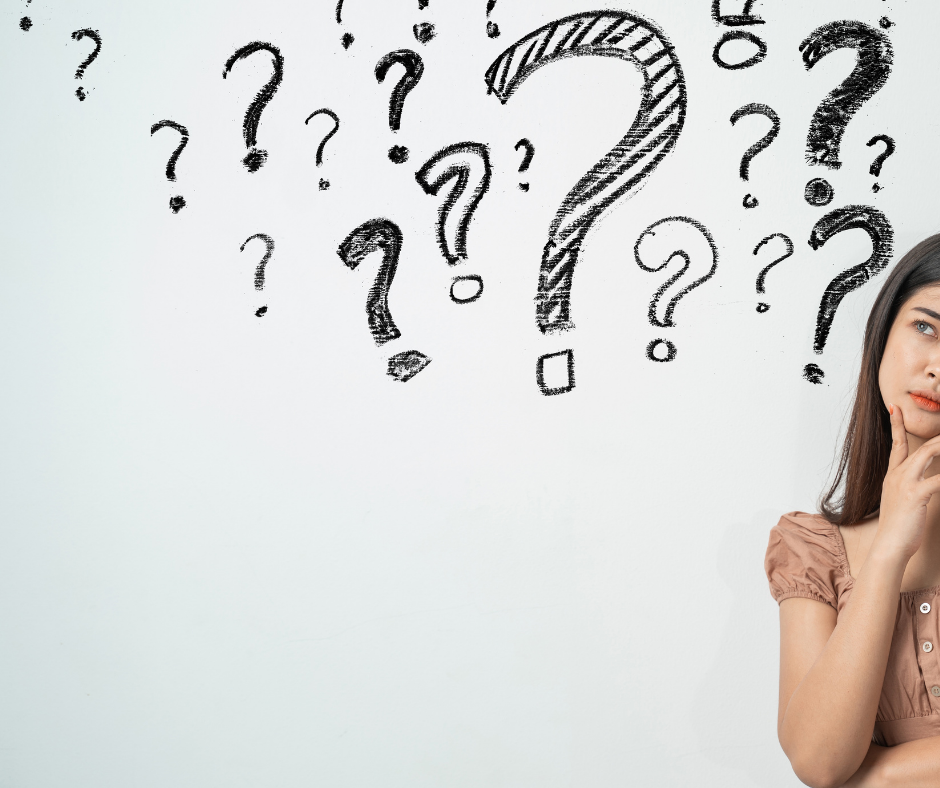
[
  {"x": 762, "y": 276},
  {"x": 852, "y": 217},
  {"x": 871, "y": 72},
  {"x": 527, "y": 159},
  {"x": 492, "y": 29},
  {"x": 259, "y": 271},
  {"x": 347, "y": 38},
  {"x": 666, "y": 321},
  {"x": 624, "y": 170},
  {"x": 414, "y": 70},
  {"x": 26, "y": 23},
  {"x": 95, "y": 36},
  {"x": 325, "y": 111},
  {"x": 876, "y": 165},
  {"x": 176, "y": 203},
  {"x": 360, "y": 243},
  {"x": 256, "y": 158},
  {"x": 757, "y": 147}
]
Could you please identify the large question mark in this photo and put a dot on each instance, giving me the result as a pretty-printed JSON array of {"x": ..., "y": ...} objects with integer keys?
[
  {"x": 414, "y": 70},
  {"x": 177, "y": 203},
  {"x": 259, "y": 271},
  {"x": 877, "y": 164},
  {"x": 757, "y": 147},
  {"x": 526, "y": 160},
  {"x": 360, "y": 243},
  {"x": 624, "y": 170},
  {"x": 667, "y": 321},
  {"x": 95, "y": 36},
  {"x": 325, "y": 111},
  {"x": 256, "y": 158},
  {"x": 872, "y": 68},
  {"x": 762, "y": 276},
  {"x": 852, "y": 217}
]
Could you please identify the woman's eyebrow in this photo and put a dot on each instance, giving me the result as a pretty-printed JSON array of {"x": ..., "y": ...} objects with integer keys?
[{"x": 926, "y": 311}]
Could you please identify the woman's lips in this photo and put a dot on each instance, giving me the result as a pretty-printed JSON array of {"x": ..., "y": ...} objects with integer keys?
[{"x": 925, "y": 403}]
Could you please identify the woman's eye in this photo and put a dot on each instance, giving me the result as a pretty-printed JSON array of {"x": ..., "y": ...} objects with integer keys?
[{"x": 925, "y": 328}]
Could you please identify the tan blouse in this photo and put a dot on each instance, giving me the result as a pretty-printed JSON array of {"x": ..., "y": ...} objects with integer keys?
[{"x": 806, "y": 558}]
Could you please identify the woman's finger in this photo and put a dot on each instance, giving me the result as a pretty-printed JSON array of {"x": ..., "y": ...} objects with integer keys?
[
  {"x": 920, "y": 460},
  {"x": 898, "y": 438}
]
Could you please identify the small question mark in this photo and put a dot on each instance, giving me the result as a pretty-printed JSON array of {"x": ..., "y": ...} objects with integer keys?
[
  {"x": 456, "y": 163},
  {"x": 666, "y": 321},
  {"x": 527, "y": 159},
  {"x": 762, "y": 276},
  {"x": 176, "y": 203},
  {"x": 876, "y": 165},
  {"x": 325, "y": 111},
  {"x": 259, "y": 271},
  {"x": 95, "y": 36},
  {"x": 414, "y": 70},
  {"x": 360, "y": 243},
  {"x": 852, "y": 217},
  {"x": 757, "y": 147},
  {"x": 347, "y": 38},
  {"x": 256, "y": 158},
  {"x": 26, "y": 23},
  {"x": 624, "y": 170},
  {"x": 492, "y": 29}
]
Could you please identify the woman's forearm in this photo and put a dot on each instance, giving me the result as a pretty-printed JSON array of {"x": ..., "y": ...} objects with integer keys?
[
  {"x": 827, "y": 726},
  {"x": 914, "y": 764}
]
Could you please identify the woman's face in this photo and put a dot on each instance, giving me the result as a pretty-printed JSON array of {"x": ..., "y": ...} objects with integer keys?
[{"x": 909, "y": 376}]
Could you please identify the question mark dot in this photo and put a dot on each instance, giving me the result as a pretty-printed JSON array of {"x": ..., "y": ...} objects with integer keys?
[
  {"x": 399, "y": 154},
  {"x": 818, "y": 192},
  {"x": 750, "y": 201},
  {"x": 524, "y": 187},
  {"x": 324, "y": 185},
  {"x": 876, "y": 188},
  {"x": 177, "y": 203},
  {"x": 347, "y": 40},
  {"x": 813, "y": 374},
  {"x": 26, "y": 23},
  {"x": 255, "y": 159},
  {"x": 492, "y": 30},
  {"x": 885, "y": 22},
  {"x": 655, "y": 344},
  {"x": 763, "y": 308},
  {"x": 82, "y": 95},
  {"x": 261, "y": 312},
  {"x": 424, "y": 32}
]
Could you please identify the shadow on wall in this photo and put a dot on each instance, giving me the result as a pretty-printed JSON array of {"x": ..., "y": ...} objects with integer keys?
[{"x": 735, "y": 708}]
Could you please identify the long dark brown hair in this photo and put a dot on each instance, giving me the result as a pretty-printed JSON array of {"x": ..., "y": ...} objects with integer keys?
[{"x": 855, "y": 492}]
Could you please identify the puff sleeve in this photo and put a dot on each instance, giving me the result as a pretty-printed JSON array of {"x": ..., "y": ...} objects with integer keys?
[{"x": 805, "y": 558}]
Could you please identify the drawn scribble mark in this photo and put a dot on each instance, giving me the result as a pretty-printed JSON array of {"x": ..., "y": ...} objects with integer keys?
[
  {"x": 762, "y": 144},
  {"x": 492, "y": 29},
  {"x": 424, "y": 32},
  {"x": 95, "y": 36},
  {"x": 878, "y": 163},
  {"x": 762, "y": 276},
  {"x": 177, "y": 203},
  {"x": 819, "y": 192},
  {"x": 624, "y": 170},
  {"x": 329, "y": 136},
  {"x": 851, "y": 217},
  {"x": 540, "y": 373},
  {"x": 526, "y": 160},
  {"x": 472, "y": 295},
  {"x": 404, "y": 366},
  {"x": 468, "y": 165},
  {"x": 667, "y": 257},
  {"x": 873, "y": 67},
  {"x": 259, "y": 271},
  {"x": 256, "y": 158},
  {"x": 414, "y": 70}
]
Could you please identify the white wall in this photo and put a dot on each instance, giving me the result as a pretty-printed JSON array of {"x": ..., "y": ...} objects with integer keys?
[{"x": 234, "y": 552}]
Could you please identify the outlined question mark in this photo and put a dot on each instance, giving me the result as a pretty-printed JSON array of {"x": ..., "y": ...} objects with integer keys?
[
  {"x": 414, "y": 70},
  {"x": 872, "y": 69},
  {"x": 851, "y": 217},
  {"x": 177, "y": 203},
  {"x": 385, "y": 235},
  {"x": 624, "y": 170},
  {"x": 666, "y": 321},
  {"x": 526, "y": 160},
  {"x": 762, "y": 276},
  {"x": 877, "y": 164},
  {"x": 468, "y": 165},
  {"x": 492, "y": 29},
  {"x": 256, "y": 158},
  {"x": 95, "y": 36},
  {"x": 762, "y": 144},
  {"x": 324, "y": 111},
  {"x": 259, "y": 271}
]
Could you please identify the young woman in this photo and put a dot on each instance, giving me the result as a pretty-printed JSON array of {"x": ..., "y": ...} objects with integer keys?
[{"x": 859, "y": 584}]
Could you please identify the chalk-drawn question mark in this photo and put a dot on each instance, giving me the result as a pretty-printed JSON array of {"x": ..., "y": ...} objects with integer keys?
[
  {"x": 624, "y": 170},
  {"x": 877, "y": 164},
  {"x": 851, "y": 217},
  {"x": 666, "y": 321},
  {"x": 367, "y": 238},
  {"x": 762, "y": 276},
  {"x": 324, "y": 111},
  {"x": 762, "y": 144},
  {"x": 177, "y": 203},
  {"x": 259, "y": 271},
  {"x": 414, "y": 70},
  {"x": 95, "y": 36},
  {"x": 26, "y": 23},
  {"x": 348, "y": 37},
  {"x": 492, "y": 29},
  {"x": 256, "y": 158},
  {"x": 526, "y": 160}
]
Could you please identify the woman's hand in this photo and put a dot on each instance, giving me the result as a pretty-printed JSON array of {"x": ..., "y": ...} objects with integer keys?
[{"x": 905, "y": 492}]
